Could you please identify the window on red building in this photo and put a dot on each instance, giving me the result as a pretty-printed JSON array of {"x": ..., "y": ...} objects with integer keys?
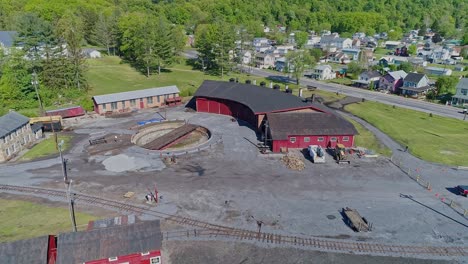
[
  {"x": 292, "y": 140},
  {"x": 307, "y": 139},
  {"x": 345, "y": 138}
]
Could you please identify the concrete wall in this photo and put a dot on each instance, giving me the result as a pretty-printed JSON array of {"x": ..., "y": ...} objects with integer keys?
[{"x": 16, "y": 141}]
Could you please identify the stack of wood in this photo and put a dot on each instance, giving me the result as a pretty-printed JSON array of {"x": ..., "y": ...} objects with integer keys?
[{"x": 293, "y": 162}]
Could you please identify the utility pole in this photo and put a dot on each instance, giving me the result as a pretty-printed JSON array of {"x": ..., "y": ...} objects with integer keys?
[
  {"x": 35, "y": 83},
  {"x": 67, "y": 183}
]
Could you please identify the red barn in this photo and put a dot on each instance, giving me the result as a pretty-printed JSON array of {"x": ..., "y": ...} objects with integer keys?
[
  {"x": 299, "y": 130},
  {"x": 73, "y": 111},
  {"x": 256, "y": 105}
]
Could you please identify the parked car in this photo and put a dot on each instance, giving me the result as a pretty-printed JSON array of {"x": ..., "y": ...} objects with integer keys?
[{"x": 463, "y": 189}]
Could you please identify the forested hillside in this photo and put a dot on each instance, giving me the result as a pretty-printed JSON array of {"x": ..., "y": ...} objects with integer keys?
[{"x": 337, "y": 15}]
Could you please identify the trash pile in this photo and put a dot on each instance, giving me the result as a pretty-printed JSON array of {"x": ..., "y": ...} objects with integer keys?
[{"x": 293, "y": 162}]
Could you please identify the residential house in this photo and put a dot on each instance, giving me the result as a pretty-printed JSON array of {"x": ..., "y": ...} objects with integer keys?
[
  {"x": 359, "y": 35},
  {"x": 356, "y": 43},
  {"x": 246, "y": 58},
  {"x": 139, "y": 99},
  {"x": 281, "y": 64},
  {"x": 459, "y": 68},
  {"x": 415, "y": 84},
  {"x": 282, "y": 50},
  {"x": 91, "y": 53},
  {"x": 338, "y": 57},
  {"x": 353, "y": 54},
  {"x": 264, "y": 60},
  {"x": 336, "y": 41},
  {"x": 438, "y": 71},
  {"x": 369, "y": 79},
  {"x": 258, "y": 42},
  {"x": 323, "y": 72},
  {"x": 461, "y": 95},
  {"x": 392, "y": 81},
  {"x": 440, "y": 54},
  {"x": 313, "y": 41},
  {"x": 391, "y": 45},
  {"x": 15, "y": 134},
  {"x": 292, "y": 38}
]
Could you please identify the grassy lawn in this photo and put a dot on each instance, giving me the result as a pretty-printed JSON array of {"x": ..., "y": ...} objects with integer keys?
[
  {"x": 110, "y": 75},
  {"x": 381, "y": 52},
  {"x": 343, "y": 81},
  {"x": 21, "y": 220},
  {"x": 436, "y": 139},
  {"x": 368, "y": 140},
  {"x": 327, "y": 96},
  {"x": 46, "y": 147}
]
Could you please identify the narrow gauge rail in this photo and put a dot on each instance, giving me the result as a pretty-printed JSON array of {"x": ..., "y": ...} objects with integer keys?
[{"x": 209, "y": 230}]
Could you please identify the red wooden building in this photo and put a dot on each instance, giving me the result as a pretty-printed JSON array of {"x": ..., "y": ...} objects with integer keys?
[
  {"x": 307, "y": 123},
  {"x": 299, "y": 130}
]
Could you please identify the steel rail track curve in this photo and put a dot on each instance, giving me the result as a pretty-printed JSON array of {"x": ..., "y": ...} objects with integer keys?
[{"x": 209, "y": 230}]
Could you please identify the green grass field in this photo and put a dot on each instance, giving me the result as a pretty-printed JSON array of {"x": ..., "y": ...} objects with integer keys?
[
  {"x": 368, "y": 140},
  {"x": 110, "y": 75},
  {"x": 46, "y": 147},
  {"x": 21, "y": 220},
  {"x": 436, "y": 139}
]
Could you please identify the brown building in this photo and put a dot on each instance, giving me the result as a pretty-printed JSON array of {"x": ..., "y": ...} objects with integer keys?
[
  {"x": 139, "y": 99},
  {"x": 15, "y": 134}
]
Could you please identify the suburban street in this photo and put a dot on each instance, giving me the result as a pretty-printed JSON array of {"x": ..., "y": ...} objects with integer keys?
[{"x": 390, "y": 99}]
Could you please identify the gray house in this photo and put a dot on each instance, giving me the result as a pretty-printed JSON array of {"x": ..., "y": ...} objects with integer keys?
[
  {"x": 415, "y": 84},
  {"x": 461, "y": 95}
]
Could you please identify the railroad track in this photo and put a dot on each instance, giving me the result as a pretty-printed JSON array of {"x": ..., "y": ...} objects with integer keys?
[{"x": 209, "y": 230}]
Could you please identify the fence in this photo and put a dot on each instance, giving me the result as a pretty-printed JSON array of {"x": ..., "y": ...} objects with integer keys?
[{"x": 415, "y": 174}]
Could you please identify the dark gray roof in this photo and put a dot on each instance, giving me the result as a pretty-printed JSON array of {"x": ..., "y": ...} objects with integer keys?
[
  {"x": 116, "y": 97},
  {"x": 463, "y": 83},
  {"x": 414, "y": 77},
  {"x": 7, "y": 38},
  {"x": 36, "y": 127},
  {"x": 258, "y": 99},
  {"x": 31, "y": 251},
  {"x": 10, "y": 122},
  {"x": 283, "y": 125},
  {"x": 371, "y": 74},
  {"x": 108, "y": 242}
]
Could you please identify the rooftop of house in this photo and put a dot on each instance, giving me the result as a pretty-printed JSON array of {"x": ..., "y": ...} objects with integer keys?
[
  {"x": 371, "y": 74},
  {"x": 322, "y": 67},
  {"x": 116, "y": 97},
  {"x": 283, "y": 125},
  {"x": 33, "y": 251},
  {"x": 414, "y": 77},
  {"x": 437, "y": 69},
  {"x": 462, "y": 84},
  {"x": 11, "y": 122},
  {"x": 397, "y": 74},
  {"x": 79, "y": 247}
]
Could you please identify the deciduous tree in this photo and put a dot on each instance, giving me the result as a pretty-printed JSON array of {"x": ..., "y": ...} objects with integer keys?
[{"x": 299, "y": 61}]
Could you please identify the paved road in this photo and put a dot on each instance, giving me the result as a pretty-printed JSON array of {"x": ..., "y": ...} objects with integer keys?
[{"x": 427, "y": 107}]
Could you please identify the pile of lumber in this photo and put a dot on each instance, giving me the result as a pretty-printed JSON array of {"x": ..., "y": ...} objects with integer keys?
[{"x": 293, "y": 162}]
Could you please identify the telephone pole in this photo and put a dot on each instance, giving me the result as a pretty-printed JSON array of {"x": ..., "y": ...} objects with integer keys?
[
  {"x": 71, "y": 203},
  {"x": 35, "y": 83}
]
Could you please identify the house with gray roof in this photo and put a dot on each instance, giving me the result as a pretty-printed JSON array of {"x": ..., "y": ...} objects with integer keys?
[
  {"x": 15, "y": 135},
  {"x": 368, "y": 79},
  {"x": 438, "y": 71},
  {"x": 415, "y": 84},
  {"x": 139, "y": 99},
  {"x": 461, "y": 95}
]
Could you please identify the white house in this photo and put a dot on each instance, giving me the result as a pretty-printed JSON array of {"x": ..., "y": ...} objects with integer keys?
[
  {"x": 246, "y": 57},
  {"x": 91, "y": 53},
  {"x": 323, "y": 72},
  {"x": 264, "y": 60}
]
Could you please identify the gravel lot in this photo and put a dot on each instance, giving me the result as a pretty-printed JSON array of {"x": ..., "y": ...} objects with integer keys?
[{"x": 232, "y": 184}]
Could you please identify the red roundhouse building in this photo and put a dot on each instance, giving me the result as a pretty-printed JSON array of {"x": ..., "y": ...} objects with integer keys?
[{"x": 289, "y": 122}]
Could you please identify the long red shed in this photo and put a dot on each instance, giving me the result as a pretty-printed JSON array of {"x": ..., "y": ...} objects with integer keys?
[{"x": 73, "y": 111}]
